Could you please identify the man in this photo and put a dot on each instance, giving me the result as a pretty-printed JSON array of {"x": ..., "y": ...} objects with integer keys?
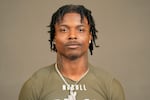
[{"x": 72, "y": 32}]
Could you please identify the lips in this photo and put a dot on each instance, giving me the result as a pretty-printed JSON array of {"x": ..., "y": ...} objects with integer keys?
[{"x": 73, "y": 45}]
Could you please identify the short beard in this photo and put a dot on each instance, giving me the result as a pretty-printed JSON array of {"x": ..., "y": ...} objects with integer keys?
[{"x": 72, "y": 57}]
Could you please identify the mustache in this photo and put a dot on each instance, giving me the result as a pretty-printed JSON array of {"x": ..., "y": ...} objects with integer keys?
[{"x": 72, "y": 43}]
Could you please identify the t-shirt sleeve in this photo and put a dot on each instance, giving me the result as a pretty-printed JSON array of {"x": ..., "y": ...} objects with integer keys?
[
  {"x": 117, "y": 92},
  {"x": 31, "y": 88},
  {"x": 27, "y": 91}
]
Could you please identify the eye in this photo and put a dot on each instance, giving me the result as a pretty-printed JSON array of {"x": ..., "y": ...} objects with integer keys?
[
  {"x": 81, "y": 30},
  {"x": 63, "y": 30}
]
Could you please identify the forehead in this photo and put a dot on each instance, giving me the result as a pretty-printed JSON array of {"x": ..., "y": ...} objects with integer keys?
[{"x": 72, "y": 17}]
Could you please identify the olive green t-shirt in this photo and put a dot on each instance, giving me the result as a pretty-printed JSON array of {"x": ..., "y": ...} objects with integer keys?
[{"x": 46, "y": 84}]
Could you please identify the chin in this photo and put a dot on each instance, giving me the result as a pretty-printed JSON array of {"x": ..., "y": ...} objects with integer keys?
[{"x": 73, "y": 57}]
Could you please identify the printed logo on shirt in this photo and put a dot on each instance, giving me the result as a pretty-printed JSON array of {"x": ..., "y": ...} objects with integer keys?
[
  {"x": 73, "y": 87},
  {"x": 73, "y": 90}
]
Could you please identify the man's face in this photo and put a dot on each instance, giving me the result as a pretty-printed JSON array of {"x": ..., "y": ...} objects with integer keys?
[{"x": 72, "y": 36}]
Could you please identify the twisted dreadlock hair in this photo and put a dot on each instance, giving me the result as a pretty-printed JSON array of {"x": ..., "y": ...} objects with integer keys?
[{"x": 80, "y": 9}]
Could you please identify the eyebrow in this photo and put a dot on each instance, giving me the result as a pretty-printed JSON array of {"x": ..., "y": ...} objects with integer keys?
[{"x": 64, "y": 25}]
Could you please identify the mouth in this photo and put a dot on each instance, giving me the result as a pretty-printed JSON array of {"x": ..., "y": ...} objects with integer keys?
[{"x": 73, "y": 45}]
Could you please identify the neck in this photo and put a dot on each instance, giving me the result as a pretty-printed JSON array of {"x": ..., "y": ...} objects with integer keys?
[{"x": 72, "y": 69}]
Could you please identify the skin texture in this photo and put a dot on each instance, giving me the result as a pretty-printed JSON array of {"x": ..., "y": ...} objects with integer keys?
[{"x": 72, "y": 39}]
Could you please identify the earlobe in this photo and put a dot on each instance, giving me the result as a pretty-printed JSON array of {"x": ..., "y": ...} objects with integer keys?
[
  {"x": 89, "y": 41},
  {"x": 54, "y": 41}
]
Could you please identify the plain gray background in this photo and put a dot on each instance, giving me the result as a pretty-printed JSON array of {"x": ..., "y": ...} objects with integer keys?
[{"x": 124, "y": 32}]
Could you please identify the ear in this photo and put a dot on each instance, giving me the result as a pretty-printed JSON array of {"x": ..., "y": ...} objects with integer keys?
[
  {"x": 90, "y": 37},
  {"x": 54, "y": 41}
]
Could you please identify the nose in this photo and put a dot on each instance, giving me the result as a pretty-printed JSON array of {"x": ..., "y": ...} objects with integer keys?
[{"x": 72, "y": 35}]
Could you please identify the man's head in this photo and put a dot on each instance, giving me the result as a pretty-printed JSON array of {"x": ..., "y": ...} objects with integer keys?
[{"x": 84, "y": 13}]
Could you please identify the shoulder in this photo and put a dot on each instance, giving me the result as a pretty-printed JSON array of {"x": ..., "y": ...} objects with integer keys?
[
  {"x": 100, "y": 73},
  {"x": 33, "y": 86},
  {"x": 44, "y": 71},
  {"x": 39, "y": 77},
  {"x": 42, "y": 74},
  {"x": 107, "y": 80}
]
